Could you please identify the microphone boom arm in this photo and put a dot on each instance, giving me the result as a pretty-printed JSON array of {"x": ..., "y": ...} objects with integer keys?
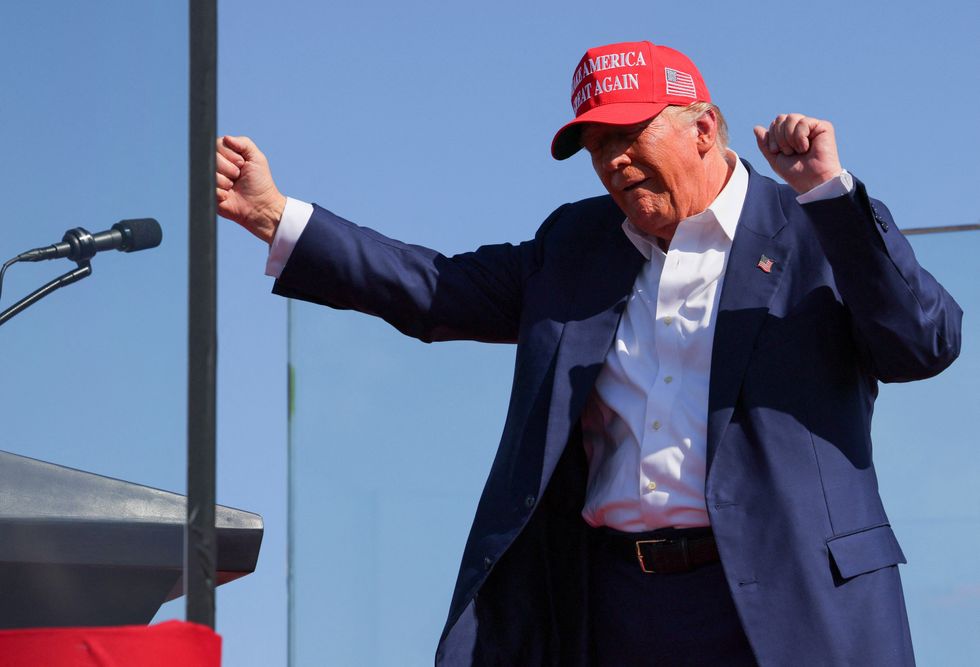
[{"x": 83, "y": 270}]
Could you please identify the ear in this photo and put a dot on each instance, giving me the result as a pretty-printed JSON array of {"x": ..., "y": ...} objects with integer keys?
[{"x": 707, "y": 129}]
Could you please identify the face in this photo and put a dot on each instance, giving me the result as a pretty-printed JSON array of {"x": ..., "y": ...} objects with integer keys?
[{"x": 653, "y": 170}]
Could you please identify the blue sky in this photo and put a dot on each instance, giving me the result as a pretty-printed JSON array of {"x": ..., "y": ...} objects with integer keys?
[{"x": 430, "y": 122}]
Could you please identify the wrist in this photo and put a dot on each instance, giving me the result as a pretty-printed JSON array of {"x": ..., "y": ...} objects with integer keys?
[
  {"x": 269, "y": 216},
  {"x": 802, "y": 186},
  {"x": 835, "y": 186}
]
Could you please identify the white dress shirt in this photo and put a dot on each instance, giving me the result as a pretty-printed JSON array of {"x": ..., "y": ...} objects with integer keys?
[{"x": 645, "y": 425}]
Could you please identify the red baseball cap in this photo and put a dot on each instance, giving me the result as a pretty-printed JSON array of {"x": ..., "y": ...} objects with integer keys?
[{"x": 626, "y": 83}]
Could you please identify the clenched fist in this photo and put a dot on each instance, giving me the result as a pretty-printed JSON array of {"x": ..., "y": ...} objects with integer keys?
[
  {"x": 800, "y": 149},
  {"x": 246, "y": 192}
]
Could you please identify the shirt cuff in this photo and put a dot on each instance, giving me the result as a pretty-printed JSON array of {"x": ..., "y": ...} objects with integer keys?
[
  {"x": 295, "y": 216},
  {"x": 839, "y": 185}
]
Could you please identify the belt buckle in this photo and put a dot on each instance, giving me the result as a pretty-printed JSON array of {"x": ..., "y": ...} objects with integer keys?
[{"x": 639, "y": 554}]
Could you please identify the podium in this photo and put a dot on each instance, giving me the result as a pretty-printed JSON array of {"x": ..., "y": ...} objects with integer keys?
[{"x": 80, "y": 549}]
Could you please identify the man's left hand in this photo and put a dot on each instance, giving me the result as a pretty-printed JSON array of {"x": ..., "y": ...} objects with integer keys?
[{"x": 800, "y": 149}]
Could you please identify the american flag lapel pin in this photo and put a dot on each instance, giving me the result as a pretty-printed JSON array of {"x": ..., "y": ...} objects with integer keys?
[{"x": 765, "y": 263}]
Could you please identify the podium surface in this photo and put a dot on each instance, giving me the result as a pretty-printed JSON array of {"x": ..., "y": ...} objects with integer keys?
[{"x": 81, "y": 549}]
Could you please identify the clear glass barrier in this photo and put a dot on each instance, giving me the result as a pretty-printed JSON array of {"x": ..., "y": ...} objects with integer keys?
[
  {"x": 390, "y": 446},
  {"x": 95, "y": 131},
  {"x": 926, "y": 455},
  {"x": 94, "y": 109},
  {"x": 391, "y": 443}
]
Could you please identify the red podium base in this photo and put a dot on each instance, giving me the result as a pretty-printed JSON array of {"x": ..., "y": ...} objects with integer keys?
[{"x": 169, "y": 644}]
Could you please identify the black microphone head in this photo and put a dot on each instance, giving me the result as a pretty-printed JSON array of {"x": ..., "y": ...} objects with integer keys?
[{"x": 139, "y": 234}]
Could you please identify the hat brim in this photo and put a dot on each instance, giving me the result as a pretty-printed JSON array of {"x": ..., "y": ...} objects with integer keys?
[{"x": 567, "y": 141}]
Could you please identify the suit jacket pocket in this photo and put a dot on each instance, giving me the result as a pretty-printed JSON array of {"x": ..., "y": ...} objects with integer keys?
[{"x": 865, "y": 550}]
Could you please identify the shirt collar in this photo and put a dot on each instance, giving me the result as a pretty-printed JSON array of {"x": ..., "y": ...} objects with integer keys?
[{"x": 725, "y": 210}]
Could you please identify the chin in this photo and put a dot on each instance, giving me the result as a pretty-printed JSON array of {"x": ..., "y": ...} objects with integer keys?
[{"x": 650, "y": 224}]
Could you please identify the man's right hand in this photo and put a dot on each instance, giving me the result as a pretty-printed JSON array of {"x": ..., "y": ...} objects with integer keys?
[{"x": 246, "y": 192}]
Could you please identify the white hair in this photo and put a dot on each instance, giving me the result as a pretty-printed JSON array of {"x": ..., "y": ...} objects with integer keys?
[{"x": 693, "y": 112}]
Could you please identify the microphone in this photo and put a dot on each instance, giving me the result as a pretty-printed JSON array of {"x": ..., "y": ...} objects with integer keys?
[{"x": 79, "y": 245}]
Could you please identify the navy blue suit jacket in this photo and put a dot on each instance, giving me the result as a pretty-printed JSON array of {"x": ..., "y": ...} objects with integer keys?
[{"x": 791, "y": 490}]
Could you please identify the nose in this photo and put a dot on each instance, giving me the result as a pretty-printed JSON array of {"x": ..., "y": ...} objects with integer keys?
[{"x": 611, "y": 156}]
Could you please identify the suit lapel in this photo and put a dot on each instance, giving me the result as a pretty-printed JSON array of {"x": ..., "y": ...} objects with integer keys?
[
  {"x": 745, "y": 300},
  {"x": 597, "y": 303}
]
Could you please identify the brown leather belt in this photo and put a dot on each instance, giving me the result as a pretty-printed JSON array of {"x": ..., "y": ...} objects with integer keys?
[{"x": 665, "y": 551}]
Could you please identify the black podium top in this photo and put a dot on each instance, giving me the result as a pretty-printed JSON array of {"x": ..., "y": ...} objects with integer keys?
[{"x": 78, "y": 548}]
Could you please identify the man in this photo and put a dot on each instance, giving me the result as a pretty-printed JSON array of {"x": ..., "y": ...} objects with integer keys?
[{"x": 698, "y": 356}]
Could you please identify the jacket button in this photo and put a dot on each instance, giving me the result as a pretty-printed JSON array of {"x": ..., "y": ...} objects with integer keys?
[
  {"x": 881, "y": 221},
  {"x": 487, "y": 562},
  {"x": 529, "y": 501}
]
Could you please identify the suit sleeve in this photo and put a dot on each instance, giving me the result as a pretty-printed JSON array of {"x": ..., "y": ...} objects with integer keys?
[
  {"x": 422, "y": 293},
  {"x": 909, "y": 326}
]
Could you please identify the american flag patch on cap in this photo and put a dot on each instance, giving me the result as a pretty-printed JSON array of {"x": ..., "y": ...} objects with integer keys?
[{"x": 679, "y": 83}]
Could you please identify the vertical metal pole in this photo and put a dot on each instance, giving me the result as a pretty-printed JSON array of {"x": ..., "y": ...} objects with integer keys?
[
  {"x": 290, "y": 490},
  {"x": 199, "y": 543}
]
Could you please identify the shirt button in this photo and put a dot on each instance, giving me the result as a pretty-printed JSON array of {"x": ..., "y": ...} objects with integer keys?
[
  {"x": 529, "y": 501},
  {"x": 655, "y": 426},
  {"x": 668, "y": 320},
  {"x": 669, "y": 379},
  {"x": 651, "y": 486}
]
